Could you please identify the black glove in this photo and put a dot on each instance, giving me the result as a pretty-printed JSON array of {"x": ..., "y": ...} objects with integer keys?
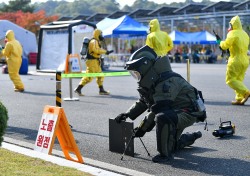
[
  {"x": 138, "y": 132},
  {"x": 121, "y": 117},
  {"x": 108, "y": 52}
]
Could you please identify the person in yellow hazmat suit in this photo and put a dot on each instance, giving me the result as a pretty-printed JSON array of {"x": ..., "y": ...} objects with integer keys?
[
  {"x": 13, "y": 53},
  {"x": 158, "y": 40},
  {"x": 237, "y": 42},
  {"x": 93, "y": 63}
]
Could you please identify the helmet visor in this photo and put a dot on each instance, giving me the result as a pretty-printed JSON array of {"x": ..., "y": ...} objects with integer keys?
[{"x": 135, "y": 75}]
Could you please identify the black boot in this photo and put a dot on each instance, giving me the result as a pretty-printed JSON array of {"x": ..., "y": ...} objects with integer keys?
[
  {"x": 188, "y": 139},
  {"x": 102, "y": 91},
  {"x": 197, "y": 135},
  {"x": 162, "y": 159},
  {"x": 78, "y": 90}
]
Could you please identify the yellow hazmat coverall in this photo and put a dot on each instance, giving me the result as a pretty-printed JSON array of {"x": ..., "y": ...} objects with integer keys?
[
  {"x": 93, "y": 64},
  {"x": 237, "y": 42},
  {"x": 158, "y": 40},
  {"x": 13, "y": 52}
]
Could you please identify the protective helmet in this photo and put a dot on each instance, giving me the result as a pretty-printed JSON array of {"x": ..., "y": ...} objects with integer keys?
[
  {"x": 140, "y": 66},
  {"x": 146, "y": 67},
  {"x": 144, "y": 51},
  {"x": 140, "y": 62}
]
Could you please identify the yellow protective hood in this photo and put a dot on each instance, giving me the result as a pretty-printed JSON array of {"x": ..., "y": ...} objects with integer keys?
[
  {"x": 236, "y": 23},
  {"x": 96, "y": 34},
  {"x": 158, "y": 40},
  {"x": 10, "y": 35},
  {"x": 154, "y": 25}
]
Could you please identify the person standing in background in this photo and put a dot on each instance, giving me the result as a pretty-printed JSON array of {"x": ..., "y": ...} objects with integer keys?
[
  {"x": 158, "y": 40},
  {"x": 93, "y": 63},
  {"x": 13, "y": 52},
  {"x": 237, "y": 41}
]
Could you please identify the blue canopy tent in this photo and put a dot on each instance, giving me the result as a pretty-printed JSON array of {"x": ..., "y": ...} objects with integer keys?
[
  {"x": 202, "y": 37},
  {"x": 124, "y": 26},
  {"x": 121, "y": 28}
]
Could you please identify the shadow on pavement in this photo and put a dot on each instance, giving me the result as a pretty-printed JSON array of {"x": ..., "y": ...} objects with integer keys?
[
  {"x": 117, "y": 97},
  {"x": 222, "y": 103},
  {"x": 189, "y": 159},
  {"x": 92, "y": 134},
  {"x": 25, "y": 133},
  {"x": 31, "y": 135},
  {"x": 38, "y": 93}
]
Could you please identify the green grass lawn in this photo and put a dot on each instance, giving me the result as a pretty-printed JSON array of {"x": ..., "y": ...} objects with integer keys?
[{"x": 15, "y": 164}]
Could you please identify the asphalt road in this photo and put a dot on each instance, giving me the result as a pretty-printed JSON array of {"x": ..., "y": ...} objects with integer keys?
[{"x": 90, "y": 115}]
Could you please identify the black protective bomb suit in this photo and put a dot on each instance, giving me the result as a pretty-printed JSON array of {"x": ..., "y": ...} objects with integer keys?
[{"x": 169, "y": 99}]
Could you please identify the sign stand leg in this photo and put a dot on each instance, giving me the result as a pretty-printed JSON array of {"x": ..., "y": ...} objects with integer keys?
[
  {"x": 71, "y": 98},
  {"x": 70, "y": 86}
]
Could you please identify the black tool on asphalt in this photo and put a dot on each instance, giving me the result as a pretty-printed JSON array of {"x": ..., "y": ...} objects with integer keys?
[
  {"x": 225, "y": 129},
  {"x": 144, "y": 147},
  {"x": 133, "y": 136},
  {"x": 119, "y": 137}
]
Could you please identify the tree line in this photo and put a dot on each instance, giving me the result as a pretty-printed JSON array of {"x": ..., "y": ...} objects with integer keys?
[
  {"x": 88, "y": 7},
  {"x": 31, "y": 16}
]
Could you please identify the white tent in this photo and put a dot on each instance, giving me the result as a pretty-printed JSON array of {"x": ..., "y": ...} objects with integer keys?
[
  {"x": 59, "y": 38},
  {"x": 25, "y": 37},
  {"x": 119, "y": 27}
]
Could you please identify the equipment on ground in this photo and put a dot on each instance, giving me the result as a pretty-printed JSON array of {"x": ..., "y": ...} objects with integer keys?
[
  {"x": 225, "y": 129},
  {"x": 132, "y": 137},
  {"x": 119, "y": 137}
]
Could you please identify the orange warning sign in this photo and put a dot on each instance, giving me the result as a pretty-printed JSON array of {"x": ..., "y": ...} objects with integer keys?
[
  {"x": 73, "y": 64},
  {"x": 55, "y": 124}
]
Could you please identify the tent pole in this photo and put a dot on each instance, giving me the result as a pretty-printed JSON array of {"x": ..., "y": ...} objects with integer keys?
[
  {"x": 111, "y": 42},
  {"x": 119, "y": 45},
  {"x": 188, "y": 70}
]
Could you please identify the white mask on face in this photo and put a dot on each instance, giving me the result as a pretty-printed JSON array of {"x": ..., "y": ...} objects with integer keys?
[{"x": 135, "y": 75}]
